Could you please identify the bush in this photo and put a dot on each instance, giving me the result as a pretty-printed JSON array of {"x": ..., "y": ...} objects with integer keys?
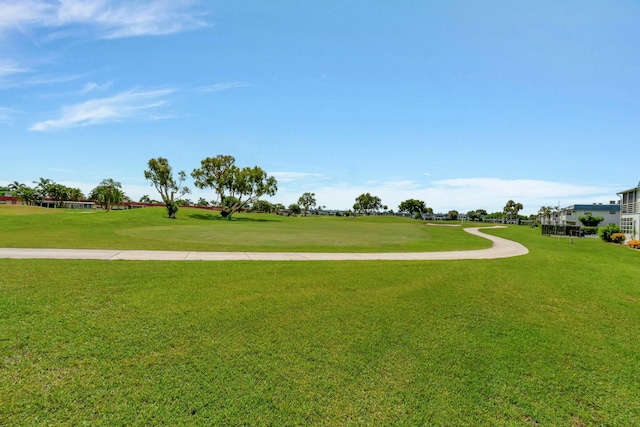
[
  {"x": 607, "y": 231},
  {"x": 634, "y": 244},
  {"x": 618, "y": 237},
  {"x": 590, "y": 231}
]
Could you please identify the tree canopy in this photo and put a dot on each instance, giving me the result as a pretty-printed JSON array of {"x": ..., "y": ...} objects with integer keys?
[
  {"x": 413, "y": 207},
  {"x": 294, "y": 209},
  {"x": 367, "y": 204},
  {"x": 235, "y": 187},
  {"x": 590, "y": 221},
  {"x": 307, "y": 200},
  {"x": 107, "y": 193},
  {"x": 161, "y": 176},
  {"x": 511, "y": 209}
]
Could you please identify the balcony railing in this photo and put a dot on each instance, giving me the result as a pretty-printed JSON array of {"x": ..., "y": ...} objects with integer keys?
[{"x": 630, "y": 208}]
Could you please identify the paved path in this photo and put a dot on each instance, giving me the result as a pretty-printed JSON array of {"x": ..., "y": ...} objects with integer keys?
[{"x": 502, "y": 248}]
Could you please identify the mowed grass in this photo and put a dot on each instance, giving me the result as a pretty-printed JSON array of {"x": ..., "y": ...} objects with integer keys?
[
  {"x": 203, "y": 230},
  {"x": 549, "y": 338}
]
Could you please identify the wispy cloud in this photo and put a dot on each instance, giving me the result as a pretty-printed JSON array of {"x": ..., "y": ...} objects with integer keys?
[
  {"x": 106, "y": 19},
  {"x": 6, "y": 115},
  {"x": 223, "y": 86},
  {"x": 95, "y": 87},
  {"x": 131, "y": 105},
  {"x": 10, "y": 68},
  {"x": 295, "y": 176}
]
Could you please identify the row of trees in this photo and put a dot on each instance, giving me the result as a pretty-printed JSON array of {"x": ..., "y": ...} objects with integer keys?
[
  {"x": 44, "y": 189},
  {"x": 107, "y": 193}
]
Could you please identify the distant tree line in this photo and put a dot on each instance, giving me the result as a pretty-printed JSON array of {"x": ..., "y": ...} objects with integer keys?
[{"x": 235, "y": 188}]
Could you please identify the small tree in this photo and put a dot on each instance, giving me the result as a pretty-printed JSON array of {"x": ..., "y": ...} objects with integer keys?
[
  {"x": 262, "y": 206},
  {"x": 590, "y": 220},
  {"x": 160, "y": 174},
  {"x": 107, "y": 193},
  {"x": 28, "y": 195},
  {"x": 294, "y": 209},
  {"x": 307, "y": 200},
  {"x": 453, "y": 214}
]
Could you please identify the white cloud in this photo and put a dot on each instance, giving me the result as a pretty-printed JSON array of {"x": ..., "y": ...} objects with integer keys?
[
  {"x": 295, "y": 176},
  {"x": 131, "y": 105},
  {"x": 18, "y": 13},
  {"x": 107, "y": 19},
  {"x": 93, "y": 87},
  {"x": 223, "y": 86},
  {"x": 10, "y": 68}
]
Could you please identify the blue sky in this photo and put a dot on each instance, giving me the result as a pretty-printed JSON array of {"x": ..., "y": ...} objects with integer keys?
[{"x": 462, "y": 104}]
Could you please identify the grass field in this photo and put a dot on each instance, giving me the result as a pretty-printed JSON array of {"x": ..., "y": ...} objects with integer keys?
[
  {"x": 550, "y": 338},
  {"x": 203, "y": 230}
]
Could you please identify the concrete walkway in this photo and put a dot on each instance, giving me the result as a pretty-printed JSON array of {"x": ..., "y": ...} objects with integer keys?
[{"x": 502, "y": 248}]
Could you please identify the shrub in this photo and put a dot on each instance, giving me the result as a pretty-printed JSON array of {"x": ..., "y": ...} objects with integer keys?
[
  {"x": 607, "y": 231},
  {"x": 634, "y": 244},
  {"x": 590, "y": 231},
  {"x": 618, "y": 237}
]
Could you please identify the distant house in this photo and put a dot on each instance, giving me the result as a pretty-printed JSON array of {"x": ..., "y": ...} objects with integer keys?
[
  {"x": 435, "y": 216},
  {"x": 8, "y": 199},
  {"x": 571, "y": 214},
  {"x": 630, "y": 212}
]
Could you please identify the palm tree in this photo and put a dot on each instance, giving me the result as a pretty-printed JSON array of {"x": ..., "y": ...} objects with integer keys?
[
  {"x": 511, "y": 209},
  {"x": 108, "y": 193},
  {"x": 15, "y": 185}
]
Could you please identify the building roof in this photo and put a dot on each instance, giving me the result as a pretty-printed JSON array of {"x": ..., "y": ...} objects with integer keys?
[
  {"x": 631, "y": 190},
  {"x": 593, "y": 207}
]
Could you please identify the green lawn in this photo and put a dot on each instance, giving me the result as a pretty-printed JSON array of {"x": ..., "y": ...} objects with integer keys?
[
  {"x": 203, "y": 230},
  {"x": 550, "y": 338}
]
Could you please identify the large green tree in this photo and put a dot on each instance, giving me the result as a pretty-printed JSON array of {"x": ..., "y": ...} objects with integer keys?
[
  {"x": 161, "y": 176},
  {"x": 235, "y": 187},
  {"x": 307, "y": 200},
  {"x": 107, "y": 193},
  {"x": 367, "y": 204},
  {"x": 413, "y": 207}
]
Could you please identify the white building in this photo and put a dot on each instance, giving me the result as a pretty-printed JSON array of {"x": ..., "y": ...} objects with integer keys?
[
  {"x": 630, "y": 212},
  {"x": 571, "y": 214}
]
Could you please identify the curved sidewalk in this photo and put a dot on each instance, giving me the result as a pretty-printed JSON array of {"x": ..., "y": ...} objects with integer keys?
[{"x": 502, "y": 248}]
